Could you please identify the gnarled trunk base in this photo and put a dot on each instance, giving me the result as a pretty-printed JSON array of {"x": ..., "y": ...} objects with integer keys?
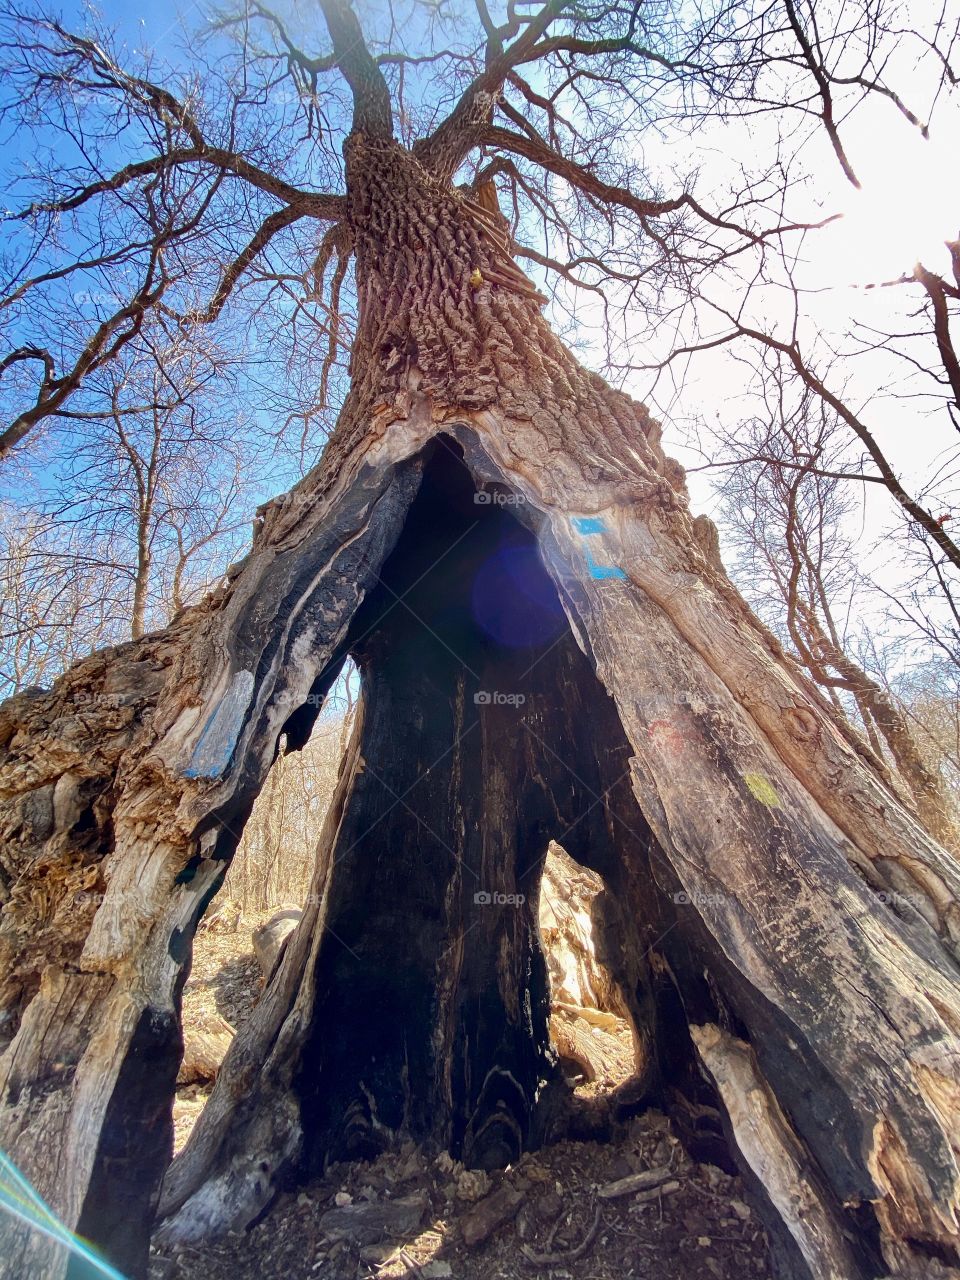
[{"x": 768, "y": 985}]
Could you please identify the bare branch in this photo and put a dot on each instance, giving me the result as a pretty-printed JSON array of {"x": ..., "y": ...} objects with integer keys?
[{"x": 372, "y": 112}]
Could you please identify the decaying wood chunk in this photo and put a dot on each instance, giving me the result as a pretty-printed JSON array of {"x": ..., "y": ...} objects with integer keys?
[
  {"x": 224, "y": 916},
  {"x": 490, "y": 1214},
  {"x": 634, "y": 1182},
  {"x": 205, "y": 1045},
  {"x": 368, "y": 1223},
  {"x": 770, "y": 1147},
  {"x": 269, "y": 938}
]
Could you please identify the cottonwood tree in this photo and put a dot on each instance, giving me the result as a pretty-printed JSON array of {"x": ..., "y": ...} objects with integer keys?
[{"x": 548, "y": 644}]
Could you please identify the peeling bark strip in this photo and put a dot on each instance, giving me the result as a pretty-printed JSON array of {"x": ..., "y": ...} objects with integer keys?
[
  {"x": 765, "y": 1140},
  {"x": 772, "y": 906}
]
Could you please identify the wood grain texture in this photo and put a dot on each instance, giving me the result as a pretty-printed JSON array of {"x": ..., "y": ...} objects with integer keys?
[{"x": 763, "y": 877}]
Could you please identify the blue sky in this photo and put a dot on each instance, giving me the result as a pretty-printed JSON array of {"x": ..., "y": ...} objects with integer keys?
[{"x": 905, "y": 176}]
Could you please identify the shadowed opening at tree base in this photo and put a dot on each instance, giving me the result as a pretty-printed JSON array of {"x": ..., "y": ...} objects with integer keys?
[
  {"x": 483, "y": 735},
  {"x": 486, "y": 736},
  {"x": 413, "y": 999}
]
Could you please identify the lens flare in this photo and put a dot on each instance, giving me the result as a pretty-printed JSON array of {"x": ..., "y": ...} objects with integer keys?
[
  {"x": 513, "y": 599},
  {"x": 20, "y": 1200}
]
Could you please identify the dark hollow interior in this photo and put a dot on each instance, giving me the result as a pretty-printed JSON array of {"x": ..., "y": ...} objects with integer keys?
[{"x": 486, "y": 734}]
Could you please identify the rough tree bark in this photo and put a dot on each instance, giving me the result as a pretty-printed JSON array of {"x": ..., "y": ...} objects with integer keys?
[{"x": 783, "y": 926}]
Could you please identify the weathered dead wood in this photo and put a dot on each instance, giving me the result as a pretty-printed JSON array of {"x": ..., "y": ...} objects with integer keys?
[
  {"x": 597, "y": 1052},
  {"x": 205, "y": 1046},
  {"x": 769, "y": 879},
  {"x": 162, "y": 872},
  {"x": 646, "y": 1180},
  {"x": 269, "y": 939},
  {"x": 373, "y": 1222},
  {"x": 490, "y": 1214},
  {"x": 250, "y": 1130},
  {"x": 766, "y": 1141},
  {"x": 672, "y": 748}
]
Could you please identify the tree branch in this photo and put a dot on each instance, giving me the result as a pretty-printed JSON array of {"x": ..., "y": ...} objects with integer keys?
[
  {"x": 445, "y": 149},
  {"x": 923, "y": 518},
  {"x": 577, "y": 176},
  {"x": 372, "y": 112}
]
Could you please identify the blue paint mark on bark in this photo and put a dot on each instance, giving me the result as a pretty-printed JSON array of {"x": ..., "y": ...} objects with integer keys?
[
  {"x": 603, "y": 570},
  {"x": 590, "y": 526},
  {"x": 219, "y": 737}
]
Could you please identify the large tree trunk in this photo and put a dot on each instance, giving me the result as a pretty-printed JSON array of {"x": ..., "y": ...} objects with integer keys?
[{"x": 781, "y": 925}]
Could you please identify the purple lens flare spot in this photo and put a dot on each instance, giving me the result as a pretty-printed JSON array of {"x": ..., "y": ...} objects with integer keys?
[{"x": 510, "y": 570}]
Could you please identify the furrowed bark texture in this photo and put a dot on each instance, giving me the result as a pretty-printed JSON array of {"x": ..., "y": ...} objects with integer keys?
[{"x": 778, "y": 918}]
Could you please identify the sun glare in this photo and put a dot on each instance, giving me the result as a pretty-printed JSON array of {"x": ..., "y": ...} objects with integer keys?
[{"x": 908, "y": 206}]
